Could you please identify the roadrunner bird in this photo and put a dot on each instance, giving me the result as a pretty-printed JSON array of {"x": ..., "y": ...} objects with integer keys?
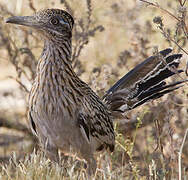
[{"x": 64, "y": 112}]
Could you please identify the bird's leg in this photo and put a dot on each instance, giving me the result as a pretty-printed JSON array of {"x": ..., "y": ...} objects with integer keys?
[
  {"x": 92, "y": 166},
  {"x": 50, "y": 150},
  {"x": 52, "y": 153}
]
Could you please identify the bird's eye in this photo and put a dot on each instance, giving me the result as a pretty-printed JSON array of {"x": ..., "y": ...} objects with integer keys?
[{"x": 54, "y": 21}]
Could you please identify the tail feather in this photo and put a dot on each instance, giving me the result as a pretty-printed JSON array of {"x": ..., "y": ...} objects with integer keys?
[
  {"x": 158, "y": 89},
  {"x": 155, "y": 81},
  {"x": 145, "y": 82},
  {"x": 140, "y": 71},
  {"x": 154, "y": 96},
  {"x": 166, "y": 52},
  {"x": 155, "y": 93}
]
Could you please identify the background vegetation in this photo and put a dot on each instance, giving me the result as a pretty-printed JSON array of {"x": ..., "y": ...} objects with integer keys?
[{"x": 110, "y": 38}]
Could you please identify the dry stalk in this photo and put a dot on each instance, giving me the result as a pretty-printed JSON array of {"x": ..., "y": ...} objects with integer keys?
[
  {"x": 161, "y": 8},
  {"x": 180, "y": 20},
  {"x": 180, "y": 153}
]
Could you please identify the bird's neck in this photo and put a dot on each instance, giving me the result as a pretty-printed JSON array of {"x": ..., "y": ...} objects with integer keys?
[
  {"x": 58, "y": 50},
  {"x": 55, "y": 61},
  {"x": 54, "y": 68},
  {"x": 56, "y": 54}
]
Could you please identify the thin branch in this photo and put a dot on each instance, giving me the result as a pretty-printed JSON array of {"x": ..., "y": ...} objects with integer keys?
[
  {"x": 67, "y": 6},
  {"x": 182, "y": 21},
  {"x": 157, "y": 6},
  {"x": 31, "y": 5},
  {"x": 183, "y": 3},
  {"x": 20, "y": 83},
  {"x": 89, "y": 12},
  {"x": 180, "y": 153},
  {"x": 180, "y": 2},
  {"x": 158, "y": 21},
  {"x": 172, "y": 40}
]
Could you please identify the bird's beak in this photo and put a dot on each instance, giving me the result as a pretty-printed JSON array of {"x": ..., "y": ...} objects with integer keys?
[{"x": 23, "y": 20}]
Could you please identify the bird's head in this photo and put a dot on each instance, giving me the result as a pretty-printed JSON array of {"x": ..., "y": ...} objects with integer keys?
[{"x": 53, "y": 24}]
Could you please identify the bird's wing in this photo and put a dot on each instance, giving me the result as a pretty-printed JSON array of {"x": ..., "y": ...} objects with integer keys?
[
  {"x": 145, "y": 82},
  {"x": 95, "y": 123}
]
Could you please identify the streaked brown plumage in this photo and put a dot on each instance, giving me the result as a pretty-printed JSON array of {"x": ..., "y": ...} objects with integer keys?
[{"x": 63, "y": 110}]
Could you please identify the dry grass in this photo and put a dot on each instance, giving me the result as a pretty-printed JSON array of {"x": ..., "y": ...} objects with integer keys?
[{"x": 110, "y": 38}]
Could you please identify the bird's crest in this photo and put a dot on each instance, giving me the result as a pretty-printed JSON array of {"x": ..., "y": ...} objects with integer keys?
[{"x": 48, "y": 13}]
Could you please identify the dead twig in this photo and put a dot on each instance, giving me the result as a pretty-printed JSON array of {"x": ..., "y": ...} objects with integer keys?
[
  {"x": 158, "y": 6},
  {"x": 180, "y": 19},
  {"x": 31, "y": 5},
  {"x": 180, "y": 153},
  {"x": 158, "y": 20}
]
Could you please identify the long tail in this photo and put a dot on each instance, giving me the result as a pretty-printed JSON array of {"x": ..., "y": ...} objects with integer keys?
[{"x": 144, "y": 83}]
